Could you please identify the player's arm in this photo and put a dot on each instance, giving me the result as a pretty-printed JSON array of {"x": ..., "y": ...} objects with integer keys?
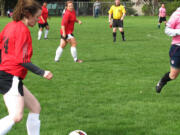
[
  {"x": 123, "y": 13},
  {"x": 78, "y": 21},
  {"x": 110, "y": 14},
  {"x": 172, "y": 32},
  {"x": 42, "y": 19},
  {"x": 170, "y": 26}
]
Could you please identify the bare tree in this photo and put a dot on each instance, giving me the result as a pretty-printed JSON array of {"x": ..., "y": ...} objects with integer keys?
[{"x": 2, "y": 7}]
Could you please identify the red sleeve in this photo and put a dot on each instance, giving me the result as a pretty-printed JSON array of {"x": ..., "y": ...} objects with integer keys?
[
  {"x": 22, "y": 52},
  {"x": 65, "y": 19}
]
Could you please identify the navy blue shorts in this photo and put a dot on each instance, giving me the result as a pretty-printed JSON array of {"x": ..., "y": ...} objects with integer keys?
[{"x": 174, "y": 54}]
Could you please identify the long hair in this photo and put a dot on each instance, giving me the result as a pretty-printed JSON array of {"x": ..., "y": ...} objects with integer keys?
[
  {"x": 25, "y": 8},
  {"x": 69, "y": 1}
]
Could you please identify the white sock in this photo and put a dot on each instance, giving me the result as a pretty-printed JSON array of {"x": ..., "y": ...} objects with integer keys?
[
  {"x": 39, "y": 34},
  {"x": 33, "y": 124},
  {"x": 6, "y": 124},
  {"x": 58, "y": 53},
  {"x": 45, "y": 33},
  {"x": 74, "y": 53}
]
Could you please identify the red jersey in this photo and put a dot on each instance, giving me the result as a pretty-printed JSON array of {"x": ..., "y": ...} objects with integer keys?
[
  {"x": 44, "y": 15},
  {"x": 16, "y": 48},
  {"x": 69, "y": 18}
]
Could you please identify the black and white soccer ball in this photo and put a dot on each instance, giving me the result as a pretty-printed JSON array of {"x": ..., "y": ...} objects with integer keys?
[{"x": 78, "y": 132}]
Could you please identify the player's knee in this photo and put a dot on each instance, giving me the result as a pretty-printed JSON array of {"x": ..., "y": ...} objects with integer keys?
[
  {"x": 173, "y": 76},
  {"x": 18, "y": 117}
]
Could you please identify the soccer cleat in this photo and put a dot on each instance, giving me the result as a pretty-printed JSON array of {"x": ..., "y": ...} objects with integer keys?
[
  {"x": 56, "y": 60},
  {"x": 46, "y": 38},
  {"x": 159, "y": 86},
  {"x": 124, "y": 39},
  {"x": 79, "y": 61}
]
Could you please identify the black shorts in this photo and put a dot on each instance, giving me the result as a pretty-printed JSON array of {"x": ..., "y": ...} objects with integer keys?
[
  {"x": 117, "y": 23},
  {"x": 11, "y": 85},
  {"x": 174, "y": 54},
  {"x": 43, "y": 25},
  {"x": 69, "y": 36},
  {"x": 162, "y": 19}
]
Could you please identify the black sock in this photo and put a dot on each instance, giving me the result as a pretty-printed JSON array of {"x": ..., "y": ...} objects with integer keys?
[
  {"x": 122, "y": 33},
  {"x": 166, "y": 78},
  {"x": 114, "y": 34}
]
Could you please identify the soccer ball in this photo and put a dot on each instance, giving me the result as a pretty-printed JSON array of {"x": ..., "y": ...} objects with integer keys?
[{"x": 77, "y": 132}]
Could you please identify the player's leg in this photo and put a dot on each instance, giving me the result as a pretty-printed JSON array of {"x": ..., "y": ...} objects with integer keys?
[
  {"x": 46, "y": 31},
  {"x": 73, "y": 43},
  {"x": 120, "y": 25},
  {"x": 60, "y": 48},
  {"x": 114, "y": 34},
  {"x": 173, "y": 74},
  {"x": 14, "y": 102},
  {"x": 40, "y": 31},
  {"x": 122, "y": 33},
  {"x": 159, "y": 23},
  {"x": 33, "y": 122}
]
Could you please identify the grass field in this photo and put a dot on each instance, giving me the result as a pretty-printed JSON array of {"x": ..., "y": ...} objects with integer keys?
[{"x": 113, "y": 91}]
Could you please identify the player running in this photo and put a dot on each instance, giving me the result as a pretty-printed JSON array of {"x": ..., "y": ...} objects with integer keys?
[
  {"x": 173, "y": 30},
  {"x": 67, "y": 28},
  {"x": 43, "y": 22},
  {"x": 162, "y": 15},
  {"x": 16, "y": 52},
  {"x": 118, "y": 11}
]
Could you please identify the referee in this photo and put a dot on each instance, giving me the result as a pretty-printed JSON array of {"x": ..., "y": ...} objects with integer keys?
[{"x": 118, "y": 11}]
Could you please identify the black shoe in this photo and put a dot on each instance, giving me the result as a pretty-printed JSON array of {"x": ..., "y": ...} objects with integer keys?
[
  {"x": 159, "y": 86},
  {"x": 114, "y": 40},
  {"x": 124, "y": 39},
  {"x": 46, "y": 38}
]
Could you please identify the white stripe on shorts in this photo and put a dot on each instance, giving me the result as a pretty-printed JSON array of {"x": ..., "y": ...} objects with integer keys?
[
  {"x": 69, "y": 36},
  {"x": 13, "y": 91}
]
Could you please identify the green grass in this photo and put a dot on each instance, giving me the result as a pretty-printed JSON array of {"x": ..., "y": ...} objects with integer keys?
[{"x": 113, "y": 91}]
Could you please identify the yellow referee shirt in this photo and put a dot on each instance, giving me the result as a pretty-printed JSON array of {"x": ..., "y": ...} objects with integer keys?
[{"x": 117, "y": 11}]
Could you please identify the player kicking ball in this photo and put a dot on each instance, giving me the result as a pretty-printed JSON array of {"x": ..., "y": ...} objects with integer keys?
[{"x": 172, "y": 29}]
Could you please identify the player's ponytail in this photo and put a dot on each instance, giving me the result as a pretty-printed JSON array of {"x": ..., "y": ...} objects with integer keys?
[{"x": 25, "y": 8}]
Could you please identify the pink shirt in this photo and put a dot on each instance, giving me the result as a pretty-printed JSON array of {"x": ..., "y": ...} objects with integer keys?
[
  {"x": 162, "y": 12},
  {"x": 174, "y": 23}
]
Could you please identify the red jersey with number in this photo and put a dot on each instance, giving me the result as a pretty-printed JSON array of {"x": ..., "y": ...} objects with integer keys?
[
  {"x": 16, "y": 48},
  {"x": 44, "y": 15},
  {"x": 69, "y": 18}
]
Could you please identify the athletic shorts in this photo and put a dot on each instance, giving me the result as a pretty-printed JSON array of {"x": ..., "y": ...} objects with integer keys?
[
  {"x": 69, "y": 36},
  {"x": 43, "y": 25},
  {"x": 11, "y": 85},
  {"x": 117, "y": 23},
  {"x": 174, "y": 54},
  {"x": 162, "y": 19}
]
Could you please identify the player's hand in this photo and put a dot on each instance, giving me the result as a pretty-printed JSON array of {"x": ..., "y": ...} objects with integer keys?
[
  {"x": 109, "y": 21},
  {"x": 79, "y": 22},
  {"x": 48, "y": 75},
  {"x": 64, "y": 35},
  {"x": 122, "y": 18}
]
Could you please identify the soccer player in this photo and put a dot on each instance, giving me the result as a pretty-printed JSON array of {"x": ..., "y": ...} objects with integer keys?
[
  {"x": 43, "y": 22},
  {"x": 172, "y": 29},
  {"x": 16, "y": 52},
  {"x": 118, "y": 11},
  {"x": 67, "y": 28},
  {"x": 162, "y": 15}
]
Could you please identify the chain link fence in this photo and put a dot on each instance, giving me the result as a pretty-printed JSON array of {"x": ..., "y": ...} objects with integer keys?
[{"x": 86, "y": 8}]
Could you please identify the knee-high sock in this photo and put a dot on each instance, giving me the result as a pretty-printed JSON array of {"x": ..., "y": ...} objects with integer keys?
[
  {"x": 6, "y": 124},
  {"x": 122, "y": 33},
  {"x": 39, "y": 34},
  {"x": 45, "y": 33},
  {"x": 33, "y": 124},
  {"x": 58, "y": 53},
  {"x": 74, "y": 53},
  {"x": 114, "y": 35}
]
